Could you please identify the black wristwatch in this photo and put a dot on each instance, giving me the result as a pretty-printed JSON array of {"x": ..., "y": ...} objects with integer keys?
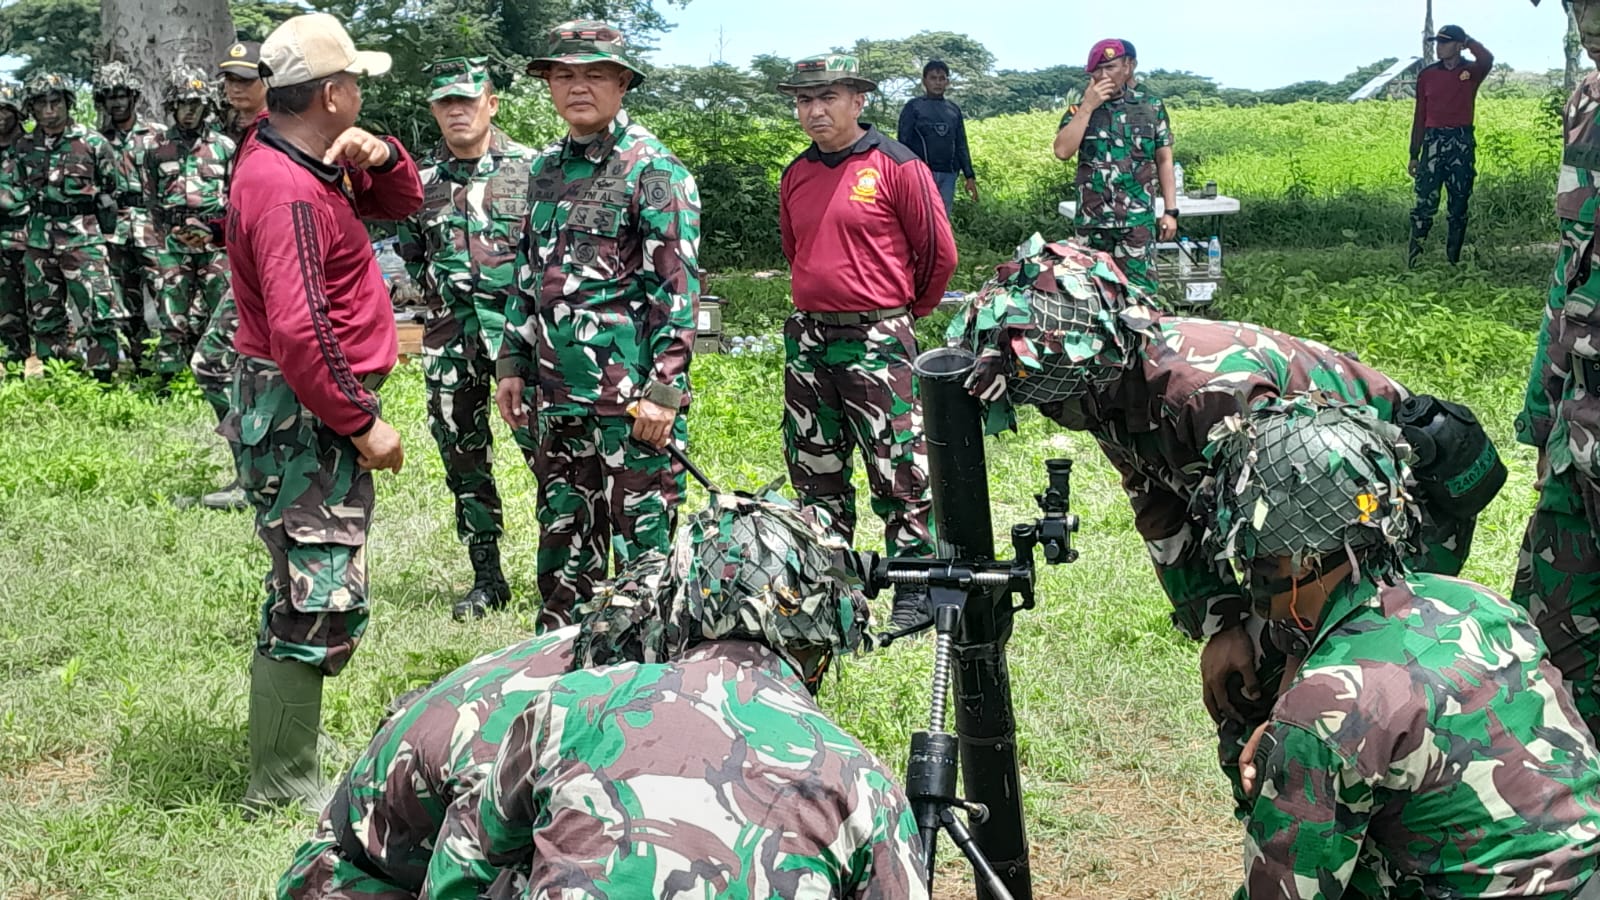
[{"x": 1173, "y": 212}]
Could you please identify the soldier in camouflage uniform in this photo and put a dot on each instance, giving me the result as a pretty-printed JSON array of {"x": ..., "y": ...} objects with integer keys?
[
  {"x": 1558, "y": 569},
  {"x": 376, "y": 836},
  {"x": 72, "y": 174},
  {"x": 1055, "y": 329},
  {"x": 462, "y": 248},
  {"x": 608, "y": 277},
  {"x": 1426, "y": 747},
  {"x": 15, "y": 335},
  {"x": 870, "y": 250},
  {"x": 132, "y": 250},
  {"x": 742, "y": 786},
  {"x": 183, "y": 176},
  {"x": 1123, "y": 143}
]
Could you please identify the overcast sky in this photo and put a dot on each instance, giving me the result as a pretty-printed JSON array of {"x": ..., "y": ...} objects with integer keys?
[{"x": 1251, "y": 44}]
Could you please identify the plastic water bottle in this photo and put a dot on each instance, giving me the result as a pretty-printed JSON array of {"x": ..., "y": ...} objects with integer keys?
[
  {"x": 1214, "y": 257},
  {"x": 1185, "y": 257},
  {"x": 1177, "y": 177}
]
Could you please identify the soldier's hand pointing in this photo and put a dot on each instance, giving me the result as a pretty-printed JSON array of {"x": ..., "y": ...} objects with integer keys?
[{"x": 359, "y": 148}]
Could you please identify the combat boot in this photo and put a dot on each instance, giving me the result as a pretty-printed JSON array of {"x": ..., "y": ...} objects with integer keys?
[
  {"x": 489, "y": 588},
  {"x": 1452, "y": 245},
  {"x": 911, "y": 607},
  {"x": 230, "y": 497},
  {"x": 1413, "y": 253},
  {"x": 285, "y": 723}
]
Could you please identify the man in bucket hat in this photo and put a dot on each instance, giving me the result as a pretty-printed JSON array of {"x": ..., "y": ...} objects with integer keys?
[
  {"x": 461, "y": 247},
  {"x": 316, "y": 338},
  {"x": 871, "y": 250},
  {"x": 608, "y": 277}
]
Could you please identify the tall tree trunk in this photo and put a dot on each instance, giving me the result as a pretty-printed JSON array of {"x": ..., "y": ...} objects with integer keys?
[
  {"x": 1574, "y": 49},
  {"x": 154, "y": 36},
  {"x": 1427, "y": 34}
]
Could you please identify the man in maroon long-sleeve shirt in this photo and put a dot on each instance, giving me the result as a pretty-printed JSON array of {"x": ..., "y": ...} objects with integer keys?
[
  {"x": 869, "y": 250},
  {"x": 1443, "y": 149},
  {"x": 316, "y": 338}
]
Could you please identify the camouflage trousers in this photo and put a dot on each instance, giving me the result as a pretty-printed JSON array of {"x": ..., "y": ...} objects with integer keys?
[
  {"x": 321, "y": 871},
  {"x": 313, "y": 506},
  {"x": 214, "y": 357},
  {"x": 601, "y": 494},
  {"x": 849, "y": 387},
  {"x": 1133, "y": 249},
  {"x": 79, "y": 277},
  {"x": 15, "y": 336},
  {"x": 1558, "y": 583},
  {"x": 458, "y": 368},
  {"x": 1448, "y": 161},
  {"x": 192, "y": 287},
  {"x": 134, "y": 268}
]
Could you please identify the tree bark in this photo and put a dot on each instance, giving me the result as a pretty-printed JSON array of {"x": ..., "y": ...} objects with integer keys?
[
  {"x": 155, "y": 36},
  {"x": 1574, "y": 49},
  {"x": 1427, "y": 34}
]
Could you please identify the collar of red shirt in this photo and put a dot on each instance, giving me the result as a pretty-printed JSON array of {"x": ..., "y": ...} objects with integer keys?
[
  {"x": 274, "y": 138},
  {"x": 872, "y": 138}
]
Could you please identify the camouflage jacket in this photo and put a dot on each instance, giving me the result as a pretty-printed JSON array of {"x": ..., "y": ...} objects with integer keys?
[
  {"x": 185, "y": 176},
  {"x": 1427, "y": 746},
  {"x": 1154, "y": 424},
  {"x": 134, "y": 224},
  {"x": 461, "y": 248},
  {"x": 1116, "y": 177},
  {"x": 73, "y": 178},
  {"x": 1562, "y": 407},
  {"x": 432, "y": 751},
  {"x": 715, "y": 776},
  {"x": 608, "y": 273},
  {"x": 15, "y": 198}
]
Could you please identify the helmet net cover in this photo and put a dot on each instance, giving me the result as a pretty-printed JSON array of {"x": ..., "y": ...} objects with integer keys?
[
  {"x": 623, "y": 621},
  {"x": 114, "y": 75},
  {"x": 1308, "y": 477},
  {"x": 45, "y": 83},
  {"x": 11, "y": 97},
  {"x": 187, "y": 83},
  {"x": 1049, "y": 322},
  {"x": 760, "y": 568}
]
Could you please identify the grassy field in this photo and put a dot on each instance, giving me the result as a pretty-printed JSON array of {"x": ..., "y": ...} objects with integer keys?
[{"x": 126, "y": 622}]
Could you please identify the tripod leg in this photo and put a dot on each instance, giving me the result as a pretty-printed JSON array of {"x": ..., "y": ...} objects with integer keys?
[{"x": 987, "y": 876}]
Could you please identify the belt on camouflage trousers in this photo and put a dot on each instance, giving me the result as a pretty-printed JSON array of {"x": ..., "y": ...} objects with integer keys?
[
  {"x": 856, "y": 318},
  {"x": 9, "y": 222},
  {"x": 54, "y": 208}
]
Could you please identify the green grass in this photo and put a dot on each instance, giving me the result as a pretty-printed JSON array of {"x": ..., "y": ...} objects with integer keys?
[{"x": 126, "y": 623}]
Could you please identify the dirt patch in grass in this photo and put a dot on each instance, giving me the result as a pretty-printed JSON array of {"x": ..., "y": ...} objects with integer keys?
[
  {"x": 1131, "y": 838},
  {"x": 65, "y": 778}
]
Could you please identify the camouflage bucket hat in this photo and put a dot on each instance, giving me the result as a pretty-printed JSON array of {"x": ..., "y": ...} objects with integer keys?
[
  {"x": 760, "y": 568},
  {"x": 11, "y": 97},
  {"x": 458, "y": 77},
  {"x": 623, "y": 621},
  {"x": 186, "y": 83},
  {"x": 1051, "y": 325},
  {"x": 113, "y": 75},
  {"x": 829, "y": 68},
  {"x": 1310, "y": 477},
  {"x": 46, "y": 83},
  {"x": 587, "y": 41}
]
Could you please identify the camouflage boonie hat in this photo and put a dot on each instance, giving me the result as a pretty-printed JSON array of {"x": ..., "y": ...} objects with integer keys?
[
  {"x": 1052, "y": 325},
  {"x": 113, "y": 75},
  {"x": 11, "y": 97},
  {"x": 46, "y": 83},
  {"x": 586, "y": 41},
  {"x": 623, "y": 621},
  {"x": 458, "y": 76},
  {"x": 1310, "y": 477},
  {"x": 829, "y": 68},
  {"x": 760, "y": 568},
  {"x": 186, "y": 83}
]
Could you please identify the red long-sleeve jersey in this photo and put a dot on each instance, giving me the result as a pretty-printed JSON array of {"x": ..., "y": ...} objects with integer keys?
[
  {"x": 308, "y": 288},
  {"x": 864, "y": 229},
  {"x": 1447, "y": 98}
]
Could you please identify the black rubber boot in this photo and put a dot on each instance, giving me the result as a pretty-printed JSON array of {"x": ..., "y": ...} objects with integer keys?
[
  {"x": 489, "y": 588},
  {"x": 1452, "y": 245}
]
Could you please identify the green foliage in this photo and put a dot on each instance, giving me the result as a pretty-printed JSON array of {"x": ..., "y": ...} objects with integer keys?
[{"x": 54, "y": 36}]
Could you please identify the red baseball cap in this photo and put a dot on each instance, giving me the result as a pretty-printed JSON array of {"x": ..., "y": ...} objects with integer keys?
[{"x": 1107, "y": 50}]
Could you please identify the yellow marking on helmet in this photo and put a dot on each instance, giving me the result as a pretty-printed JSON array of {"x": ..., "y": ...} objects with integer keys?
[{"x": 1368, "y": 504}]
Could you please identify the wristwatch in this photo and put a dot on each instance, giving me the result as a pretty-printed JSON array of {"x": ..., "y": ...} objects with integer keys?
[{"x": 1173, "y": 212}]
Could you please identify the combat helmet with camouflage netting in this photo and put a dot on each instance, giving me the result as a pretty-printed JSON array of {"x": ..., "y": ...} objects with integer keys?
[
  {"x": 1052, "y": 325},
  {"x": 112, "y": 75},
  {"x": 1313, "y": 480},
  {"x": 187, "y": 83},
  {"x": 624, "y": 620},
  {"x": 11, "y": 98},
  {"x": 44, "y": 84}
]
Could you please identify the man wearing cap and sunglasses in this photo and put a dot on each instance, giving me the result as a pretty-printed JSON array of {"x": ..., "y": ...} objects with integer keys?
[
  {"x": 1123, "y": 142},
  {"x": 604, "y": 328},
  {"x": 1443, "y": 149},
  {"x": 461, "y": 247},
  {"x": 870, "y": 250},
  {"x": 316, "y": 339}
]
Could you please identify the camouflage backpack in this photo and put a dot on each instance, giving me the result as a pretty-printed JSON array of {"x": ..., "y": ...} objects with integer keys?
[
  {"x": 1309, "y": 478},
  {"x": 113, "y": 75},
  {"x": 45, "y": 83},
  {"x": 186, "y": 83}
]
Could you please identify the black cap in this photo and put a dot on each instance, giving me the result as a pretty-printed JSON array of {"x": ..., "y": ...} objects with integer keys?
[
  {"x": 242, "y": 60},
  {"x": 1450, "y": 33}
]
